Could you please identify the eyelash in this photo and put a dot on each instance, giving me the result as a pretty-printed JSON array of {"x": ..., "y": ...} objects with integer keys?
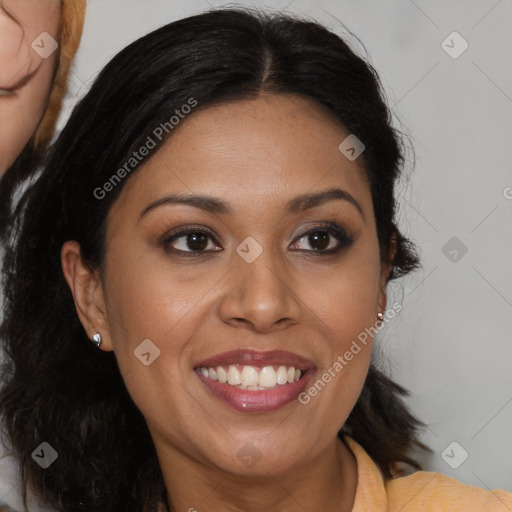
[{"x": 331, "y": 228}]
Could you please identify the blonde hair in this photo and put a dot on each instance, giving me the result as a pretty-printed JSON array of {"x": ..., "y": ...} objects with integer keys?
[{"x": 72, "y": 17}]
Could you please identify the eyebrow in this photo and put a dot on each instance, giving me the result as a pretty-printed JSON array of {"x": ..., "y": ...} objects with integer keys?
[{"x": 296, "y": 205}]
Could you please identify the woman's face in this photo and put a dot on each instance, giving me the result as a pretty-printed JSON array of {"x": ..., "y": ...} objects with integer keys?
[
  {"x": 29, "y": 30},
  {"x": 249, "y": 290}
]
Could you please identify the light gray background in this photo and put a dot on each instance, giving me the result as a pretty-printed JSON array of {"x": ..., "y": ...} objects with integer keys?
[{"x": 451, "y": 345}]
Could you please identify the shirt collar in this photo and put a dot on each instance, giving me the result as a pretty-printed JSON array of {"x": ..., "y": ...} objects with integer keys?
[{"x": 371, "y": 491}]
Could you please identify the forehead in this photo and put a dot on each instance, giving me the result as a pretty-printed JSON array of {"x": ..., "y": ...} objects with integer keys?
[{"x": 264, "y": 149}]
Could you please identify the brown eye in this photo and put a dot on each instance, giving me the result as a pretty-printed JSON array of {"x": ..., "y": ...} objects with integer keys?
[
  {"x": 190, "y": 242},
  {"x": 318, "y": 241},
  {"x": 324, "y": 241}
]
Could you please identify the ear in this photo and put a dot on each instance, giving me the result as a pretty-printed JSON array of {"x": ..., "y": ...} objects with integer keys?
[
  {"x": 87, "y": 289},
  {"x": 385, "y": 270}
]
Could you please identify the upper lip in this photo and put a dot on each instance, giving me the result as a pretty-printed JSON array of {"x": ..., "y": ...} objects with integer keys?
[{"x": 257, "y": 358}]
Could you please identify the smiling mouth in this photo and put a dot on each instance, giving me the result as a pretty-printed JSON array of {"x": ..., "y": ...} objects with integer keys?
[{"x": 251, "y": 381}]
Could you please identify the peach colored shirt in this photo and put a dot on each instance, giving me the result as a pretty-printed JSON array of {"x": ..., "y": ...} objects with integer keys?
[{"x": 421, "y": 491}]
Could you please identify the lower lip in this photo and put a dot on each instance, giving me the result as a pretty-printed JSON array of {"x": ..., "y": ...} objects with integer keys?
[{"x": 257, "y": 401}]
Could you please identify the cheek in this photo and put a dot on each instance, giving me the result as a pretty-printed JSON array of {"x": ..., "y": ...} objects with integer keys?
[
  {"x": 153, "y": 313},
  {"x": 14, "y": 133},
  {"x": 153, "y": 303},
  {"x": 343, "y": 303},
  {"x": 14, "y": 56},
  {"x": 23, "y": 114},
  {"x": 149, "y": 299},
  {"x": 149, "y": 328},
  {"x": 40, "y": 87},
  {"x": 344, "y": 296}
]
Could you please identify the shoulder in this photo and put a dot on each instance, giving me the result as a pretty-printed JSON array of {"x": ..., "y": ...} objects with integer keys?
[
  {"x": 421, "y": 491},
  {"x": 426, "y": 491}
]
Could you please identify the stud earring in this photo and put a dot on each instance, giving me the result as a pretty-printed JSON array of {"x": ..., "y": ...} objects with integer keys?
[
  {"x": 380, "y": 316},
  {"x": 96, "y": 339}
]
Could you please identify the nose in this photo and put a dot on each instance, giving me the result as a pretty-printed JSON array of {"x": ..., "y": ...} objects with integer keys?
[{"x": 260, "y": 295}]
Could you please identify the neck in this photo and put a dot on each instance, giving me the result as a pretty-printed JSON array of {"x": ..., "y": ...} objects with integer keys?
[{"x": 327, "y": 482}]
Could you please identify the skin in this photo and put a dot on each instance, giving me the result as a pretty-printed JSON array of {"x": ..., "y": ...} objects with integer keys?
[
  {"x": 255, "y": 155},
  {"x": 25, "y": 76}
]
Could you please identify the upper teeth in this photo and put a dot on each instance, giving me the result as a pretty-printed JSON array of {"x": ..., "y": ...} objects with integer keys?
[{"x": 252, "y": 378}]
